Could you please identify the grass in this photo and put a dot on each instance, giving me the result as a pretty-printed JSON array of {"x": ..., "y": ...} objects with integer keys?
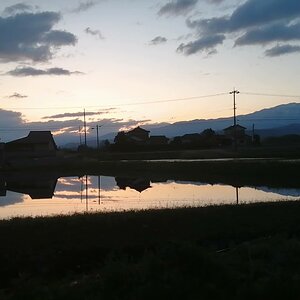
[{"x": 224, "y": 252}]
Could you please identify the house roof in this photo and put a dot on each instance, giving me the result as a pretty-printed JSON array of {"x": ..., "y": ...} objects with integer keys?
[
  {"x": 138, "y": 129},
  {"x": 35, "y": 137},
  {"x": 234, "y": 126}
]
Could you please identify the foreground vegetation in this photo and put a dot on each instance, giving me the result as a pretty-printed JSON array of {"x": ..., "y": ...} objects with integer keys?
[{"x": 225, "y": 252}]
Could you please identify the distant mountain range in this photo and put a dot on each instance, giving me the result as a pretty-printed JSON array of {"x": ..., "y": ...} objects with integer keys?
[{"x": 275, "y": 121}]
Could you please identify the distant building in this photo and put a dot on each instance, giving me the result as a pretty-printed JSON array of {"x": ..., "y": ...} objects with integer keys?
[
  {"x": 138, "y": 134},
  {"x": 36, "y": 144},
  {"x": 237, "y": 132},
  {"x": 158, "y": 140},
  {"x": 190, "y": 138},
  {"x": 2, "y": 154}
]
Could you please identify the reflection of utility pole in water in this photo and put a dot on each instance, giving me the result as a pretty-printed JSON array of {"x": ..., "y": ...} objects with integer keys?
[
  {"x": 81, "y": 188},
  {"x": 237, "y": 195},
  {"x": 99, "y": 189},
  {"x": 86, "y": 193}
]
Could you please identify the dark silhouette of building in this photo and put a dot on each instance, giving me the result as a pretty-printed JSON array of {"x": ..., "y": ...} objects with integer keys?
[
  {"x": 158, "y": 140},
  {"x": 138, "y": 135},
  {"x": 237, "y": 133},
  {"x": 36, "y": 144},
  {"x": 37, "y": 186},
  {"x": 2, "y": 154},
  {"x": 138, "y": 184}
]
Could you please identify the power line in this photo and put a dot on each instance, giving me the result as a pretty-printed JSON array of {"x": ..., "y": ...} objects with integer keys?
[
  {"x": 124, "y": 104},
  {"x": 269, "y": 95}
]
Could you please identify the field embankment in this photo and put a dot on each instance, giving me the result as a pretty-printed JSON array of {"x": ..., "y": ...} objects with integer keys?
[{"x": 226, "y": 252}]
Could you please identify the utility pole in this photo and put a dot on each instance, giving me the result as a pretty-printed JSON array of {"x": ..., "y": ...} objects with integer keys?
[
  {"x": 98, "y": 142},
  {"x": 79, "y": 130},
  {"x": 97, "y": 127},
  {"x": 234, "y": 92},
  {"x": 84, "y": 124}
]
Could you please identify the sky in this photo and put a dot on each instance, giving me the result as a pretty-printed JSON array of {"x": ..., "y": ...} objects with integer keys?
[{"x": 120, "y": 59}]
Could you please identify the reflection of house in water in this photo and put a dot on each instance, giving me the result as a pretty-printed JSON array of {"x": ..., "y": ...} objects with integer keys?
[
  {"x": 37, "y": 186},
  {"x": 138, "y": 184},
  {"x": 2, "y": 186},
  {"x": 36, "y": 144}
]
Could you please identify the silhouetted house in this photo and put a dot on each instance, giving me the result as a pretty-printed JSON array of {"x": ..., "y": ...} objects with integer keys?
[
  {"x": 158, "y": 140},
  {"x": 138, "y": 134},
  {"x": 237, "y": 132},
  {"x": 191, "y": 138},
  {"x": 2, "y": 153},
  {"x": 2, "y": 186},
  {"x": 36, "y": 144}
]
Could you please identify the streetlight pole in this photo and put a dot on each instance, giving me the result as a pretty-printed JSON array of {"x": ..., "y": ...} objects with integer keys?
[{"x": 98, "y": 142}]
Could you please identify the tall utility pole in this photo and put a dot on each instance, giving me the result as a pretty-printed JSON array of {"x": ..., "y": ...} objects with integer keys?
[
  {"x": 79, "y": 130},
  {"x": 84, "y": 125},
  {"x": 97, "y": 127},
  {"x": 234, "y": 92}
]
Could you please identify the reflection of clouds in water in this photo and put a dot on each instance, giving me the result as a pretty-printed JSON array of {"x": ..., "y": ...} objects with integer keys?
[
  {"x": 280, "y": 191},
  {"x": 70, "y": 195},
  {"x": 11, "y": 198},
  {"x": 107, "y": 183}
]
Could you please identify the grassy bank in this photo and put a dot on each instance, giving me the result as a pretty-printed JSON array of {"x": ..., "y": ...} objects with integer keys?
[{"x": 226, "y": 252}]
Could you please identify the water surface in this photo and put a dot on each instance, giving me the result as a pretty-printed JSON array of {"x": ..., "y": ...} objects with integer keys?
[{"x": 67, "y": 195}]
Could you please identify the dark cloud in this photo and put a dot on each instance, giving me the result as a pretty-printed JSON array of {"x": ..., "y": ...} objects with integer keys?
[
  {"x": 258, "y": 22},
  {"x": 80, "y": 114},
  {"x": 282, "y": 50},
  {"x": 207, "y": 43},
  {"x": 158, "y": 40},
  {"x": 84, "y": 6},
  {"x": 17, "y": 96},
  {"x": 17, "y": 8},
  {"x": 96, "y": 33},
  {"x": 13, "y": 125},
  {"x": 29, "y": 37},
  {"x": 251, "y": 14},
  {"x": 271, "y": 33},
  {"x": 29, "y": 71},
  {"x": 177, "y": 7}
]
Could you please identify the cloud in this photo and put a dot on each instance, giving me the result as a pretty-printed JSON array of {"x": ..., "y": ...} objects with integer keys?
[
  {"x": 271, "y": 33},
  {"x": 84, "y": 6},
  {"x": 251, "y": 14},
  {"x": 17, "y": 8},
  {"x": 96, "y": 33},
  {"x": 281, "y": 50},
  {"x": 207, "y": 43},
  {"x": 158, "y": 40},
  {"x": 17, "y": 96},
  {"x": 30, "y": 37},
  {"x": 177, "y": 7},
  {"x": 29, "y": 71},
  {"x": 256, "y": 22},
  {"x": 80, "y": 114}
]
